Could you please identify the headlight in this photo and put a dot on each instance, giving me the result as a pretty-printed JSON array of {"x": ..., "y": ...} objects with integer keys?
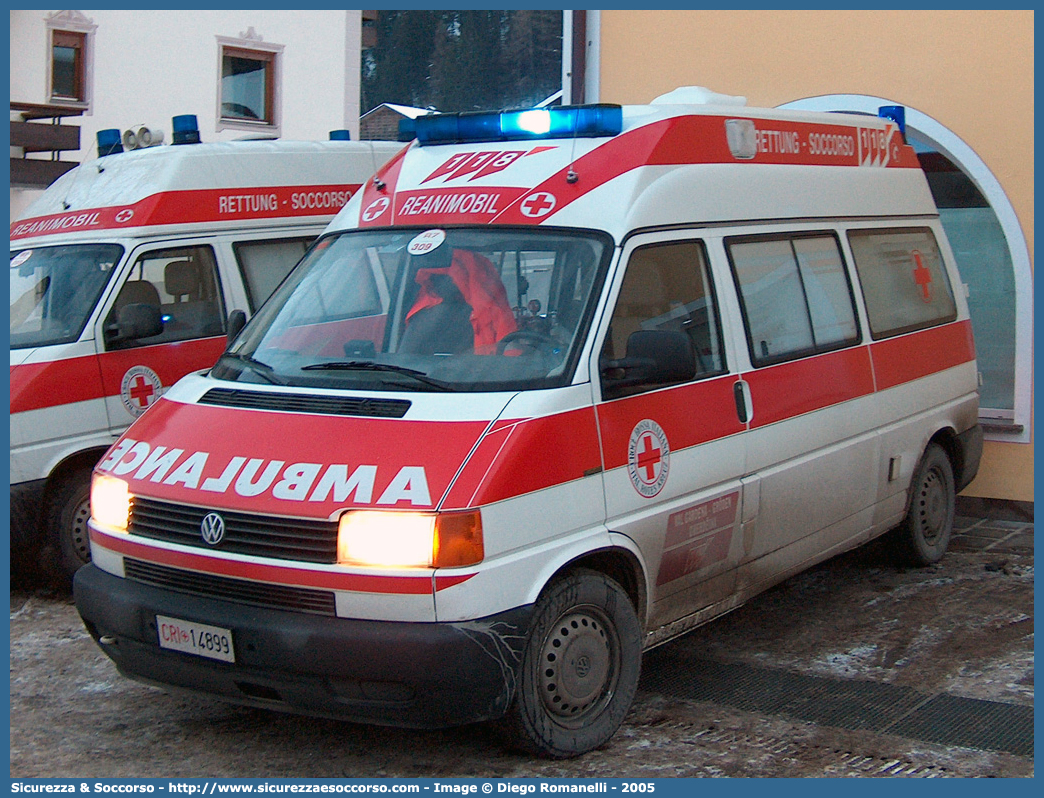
[
  {"x": 110, "y": 502},
  {"x": 410, "y": 540}
]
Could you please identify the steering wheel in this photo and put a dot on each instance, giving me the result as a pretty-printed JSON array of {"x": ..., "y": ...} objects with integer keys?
[{"x": 530, "y": 338}]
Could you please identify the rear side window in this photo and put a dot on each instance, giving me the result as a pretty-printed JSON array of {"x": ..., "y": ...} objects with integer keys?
[
  {"x": 905, "y": 286},
  {"x": 796, "y": 296},
  {"x": 265, "y": 263}
]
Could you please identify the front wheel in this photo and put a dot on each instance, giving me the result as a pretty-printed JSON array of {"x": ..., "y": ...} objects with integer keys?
[
  {"x": 67, "y": 520},
  {"x": 579, "y": 669},
  {"x": 924, "y": 534}
]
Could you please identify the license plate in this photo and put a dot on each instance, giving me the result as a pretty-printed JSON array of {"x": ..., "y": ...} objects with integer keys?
[{"x": 212, "y": 642}]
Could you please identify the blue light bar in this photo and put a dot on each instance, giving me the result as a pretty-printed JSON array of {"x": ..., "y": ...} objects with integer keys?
[
  {"x": 186, "y": 129},
  {"x": 110, "y": 142},
  {"x": 566, "y": 121},
  {"x": 896, "y": 113}
]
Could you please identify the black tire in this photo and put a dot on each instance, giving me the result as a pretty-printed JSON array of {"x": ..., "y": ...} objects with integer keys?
[
  {"x": 921, "y": 539},
  {"x": 580, "y": 668},
  {"x": 67, "y": 525}
]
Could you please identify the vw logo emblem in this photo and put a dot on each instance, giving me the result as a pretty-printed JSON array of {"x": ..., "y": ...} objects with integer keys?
[{"x": 212, "y": 529}]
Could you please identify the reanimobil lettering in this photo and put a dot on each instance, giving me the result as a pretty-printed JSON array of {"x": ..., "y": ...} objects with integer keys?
[
  {"x": 54, "y": 224},
  {"x": 474, "y": 203},
  {"x": 256, "y": 476}
]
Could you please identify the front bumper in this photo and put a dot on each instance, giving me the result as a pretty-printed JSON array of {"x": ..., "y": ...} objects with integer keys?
[{"x": 423, "y": 675}]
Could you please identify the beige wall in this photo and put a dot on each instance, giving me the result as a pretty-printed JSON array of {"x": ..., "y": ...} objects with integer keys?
[{"x": 971, "y": 71}]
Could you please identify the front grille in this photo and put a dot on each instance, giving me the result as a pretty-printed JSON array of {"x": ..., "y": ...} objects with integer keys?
[
  {"x": 258, "y": 594},
  {"x": 307, "y": 403},
  {"x": 295, "y": 539}
]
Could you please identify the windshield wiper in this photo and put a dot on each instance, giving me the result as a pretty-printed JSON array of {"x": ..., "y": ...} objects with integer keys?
[
  {"x": 257, "y": 366},
  {"x": 369, "y": 365}
]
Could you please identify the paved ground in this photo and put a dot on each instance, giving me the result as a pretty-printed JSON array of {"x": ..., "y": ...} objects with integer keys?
[{"x": 854, "y": 668}]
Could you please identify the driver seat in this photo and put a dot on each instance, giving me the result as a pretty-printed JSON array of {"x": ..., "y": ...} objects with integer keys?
[{"x": 441, "y": 329}]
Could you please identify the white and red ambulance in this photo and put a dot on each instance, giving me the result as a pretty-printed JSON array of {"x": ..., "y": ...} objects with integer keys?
[
  {"x": 557, "y": 386},
  {"x": 122, "y": 276}
]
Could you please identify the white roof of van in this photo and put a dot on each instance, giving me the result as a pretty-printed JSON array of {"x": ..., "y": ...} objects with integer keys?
[
  {"x": 693, "y": 157},
  {"x": 169, "y": 184}
]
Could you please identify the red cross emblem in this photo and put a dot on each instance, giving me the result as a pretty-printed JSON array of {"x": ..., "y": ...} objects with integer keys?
[
  {"x": 141, "y": 391},
  {"x": 649, "y": 458},
  {"x": 375, "y": 209},
  {"x": 923, "y": 276},
  {"x": 539, "y": 204}
]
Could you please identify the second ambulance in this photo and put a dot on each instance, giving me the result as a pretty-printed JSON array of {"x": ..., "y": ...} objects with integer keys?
[
  {"x": 557, "y": 386},
  {"x": 122, "y": 276}
]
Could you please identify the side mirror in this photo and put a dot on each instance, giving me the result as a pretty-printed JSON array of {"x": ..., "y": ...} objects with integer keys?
[
  {"x": 236, "y": 322},
  {"x": 654, "y": 358},
  {"x": 136, "y": 320}
]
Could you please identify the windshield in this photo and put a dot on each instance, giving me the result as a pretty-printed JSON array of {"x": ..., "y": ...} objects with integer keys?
[
  {"x": 452, "y": 309},
  {"x": 54, "y": 290}
]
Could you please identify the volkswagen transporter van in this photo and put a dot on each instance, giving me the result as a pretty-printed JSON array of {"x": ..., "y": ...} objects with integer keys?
[{"x": 555, "y": 387}]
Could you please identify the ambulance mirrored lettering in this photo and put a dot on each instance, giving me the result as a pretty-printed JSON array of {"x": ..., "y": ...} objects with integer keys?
[{"x": 256, "y": 476}]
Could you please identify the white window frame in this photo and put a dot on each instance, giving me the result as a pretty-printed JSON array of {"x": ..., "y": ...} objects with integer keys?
[
  {"x": 953, "y": 147},
  {"x": 71, "y": 22},
  {"x": 250, "y": 40}
]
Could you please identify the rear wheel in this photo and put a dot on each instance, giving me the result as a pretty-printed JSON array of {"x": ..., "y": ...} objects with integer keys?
[
  {"x": 579, "y": 669},
  {"x": 924, "y": 534}
]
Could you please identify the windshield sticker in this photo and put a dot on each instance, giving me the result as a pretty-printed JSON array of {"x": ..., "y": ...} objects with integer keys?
[
  {"x": 21, "y": 258},
  {"x": 427, "y": 241}
]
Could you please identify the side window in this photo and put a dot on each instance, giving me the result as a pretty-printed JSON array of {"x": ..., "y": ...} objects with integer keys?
[
  {"x": 264, "y": 264},
  {"x": 665, "y": 326},
  {"x": 904, "y": 283},
  {"x": 183, "y": 283},
  {"x": 795, "y": 294}
]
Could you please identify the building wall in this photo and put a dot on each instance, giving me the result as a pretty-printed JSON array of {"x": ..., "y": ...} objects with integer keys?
[
  {"x": 381, "y": 124},
  {"x": 972, "y": 71},
  {"x": 149, "y": 66}
]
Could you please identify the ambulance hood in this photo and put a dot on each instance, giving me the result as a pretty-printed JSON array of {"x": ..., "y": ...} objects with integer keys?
[{"x": 308, "y": 455}]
